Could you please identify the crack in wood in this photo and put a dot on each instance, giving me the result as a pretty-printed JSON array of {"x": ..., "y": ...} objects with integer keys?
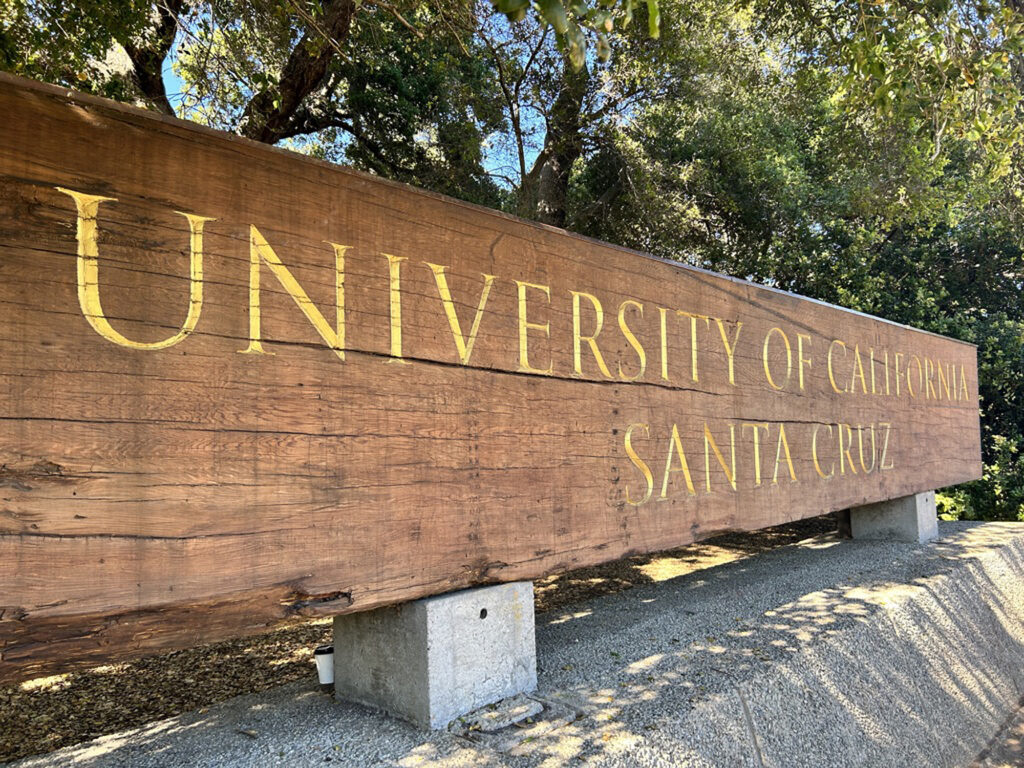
[
  {"x": 41, "y": 471},
  {"x": 308, "y": 605}
]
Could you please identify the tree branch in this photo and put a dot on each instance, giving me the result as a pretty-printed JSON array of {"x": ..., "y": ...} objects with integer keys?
[
  {"x": 268, "y": 114},
  {"x": 511, "y": 100},
  {"x": 311, "y": 123}
]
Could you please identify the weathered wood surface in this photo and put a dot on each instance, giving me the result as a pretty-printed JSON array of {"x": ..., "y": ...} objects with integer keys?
[{"x": 158, "y": 498}]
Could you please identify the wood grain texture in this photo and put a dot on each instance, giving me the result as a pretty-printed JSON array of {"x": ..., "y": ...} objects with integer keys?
[{"x": 157, "y": 498}]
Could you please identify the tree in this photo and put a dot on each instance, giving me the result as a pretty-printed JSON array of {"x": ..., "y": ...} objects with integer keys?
[
  {"x": 72, "y": 44},
  {"x": 769, "y": 172},
  {"x": 560, "y": 112},
  {"x": 943, "y": 68},
  {"x": 409, "y": 100},
  {"x": 275, "y": 70}
]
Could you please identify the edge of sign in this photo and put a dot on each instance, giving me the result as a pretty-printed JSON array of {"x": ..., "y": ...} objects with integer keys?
[{"x": 71, "y": 96}]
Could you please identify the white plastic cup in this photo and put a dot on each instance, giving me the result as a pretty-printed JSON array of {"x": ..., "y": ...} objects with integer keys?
[{"x": 324, "y": 656}]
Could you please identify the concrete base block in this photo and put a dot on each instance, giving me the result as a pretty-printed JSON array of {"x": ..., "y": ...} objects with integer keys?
[
  {"x": 908, "y": 518},
  {"x": 430, "y": 661}
]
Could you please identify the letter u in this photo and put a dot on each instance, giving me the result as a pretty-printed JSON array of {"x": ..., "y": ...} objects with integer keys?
[
  {"x": 88, "y": 273},
  {"x": 874, "y": 451}
]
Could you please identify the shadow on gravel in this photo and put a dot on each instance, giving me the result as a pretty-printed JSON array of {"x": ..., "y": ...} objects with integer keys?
[{"x": 921, "y": 666}]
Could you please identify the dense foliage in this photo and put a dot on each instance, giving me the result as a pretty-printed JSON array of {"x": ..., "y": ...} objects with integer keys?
[{"x": 864, "y": 153}]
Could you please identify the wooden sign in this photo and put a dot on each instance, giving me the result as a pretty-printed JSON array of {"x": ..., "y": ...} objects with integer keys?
[{"x": 241, "y": 385}]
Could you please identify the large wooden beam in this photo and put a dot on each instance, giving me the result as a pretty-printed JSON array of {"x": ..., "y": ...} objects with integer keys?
[{"x": 240, "y": 385}]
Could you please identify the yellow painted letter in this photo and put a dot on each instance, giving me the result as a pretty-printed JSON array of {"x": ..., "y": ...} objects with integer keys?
[
  {"x": 710, "y": 445},
  {"x": 592, "y": 339},
  {"x": 885, "y": 446},
  {"x": 632, "y": 339},
  {"x": 800, "y": 359},
  {"x": 693, "y": 338},
  {"x": 814, "y": 452},
  {"x": 88, "y": 273},
  {"x": 730, "y": 348},
  {"x": 831, "y": 373},
  {"x": 260, "y": 250},
  {"x": 783, "y": 445},
  {"x": 463, "y": 345},
  {"x": 675, "y": 446},
  {"x": 525, "y": 326},
  {"x": 639, "y": 464},
  {"x": 754, "y": 427},
  {"x": 789, "y": 358}
]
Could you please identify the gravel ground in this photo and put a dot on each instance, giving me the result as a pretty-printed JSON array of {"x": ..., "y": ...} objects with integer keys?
[
  {"x": 1007, "y": 748},
  {"x": 822, "y": 653},
  {"x": 49, "y": 713}
]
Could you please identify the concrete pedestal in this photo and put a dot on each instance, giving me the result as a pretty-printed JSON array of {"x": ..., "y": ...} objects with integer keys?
[
  {"x": 430, "y": 661},
  {"x": 908, "y": 518}
]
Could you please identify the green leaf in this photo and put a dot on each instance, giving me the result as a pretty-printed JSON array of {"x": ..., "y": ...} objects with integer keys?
[
  {"x": 653, "y": 19},
  {"x": 514, "y": 9},
  {"x": 553, "y": 12},
  {"x": 576, "y": 45}
]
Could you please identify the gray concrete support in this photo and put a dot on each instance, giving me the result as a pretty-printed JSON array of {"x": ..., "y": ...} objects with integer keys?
[
  {"x": 430, "y": 661},
  {"x": 908, "y": 518}
]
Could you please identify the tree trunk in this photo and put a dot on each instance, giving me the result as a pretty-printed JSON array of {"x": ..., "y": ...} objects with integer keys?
[
  {"x": 147, "y": 58},
  {"x": 544, "y": 191}
]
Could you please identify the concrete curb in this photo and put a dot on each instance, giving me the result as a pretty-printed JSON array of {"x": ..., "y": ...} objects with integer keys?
[{"x": 823, "y": 653}]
